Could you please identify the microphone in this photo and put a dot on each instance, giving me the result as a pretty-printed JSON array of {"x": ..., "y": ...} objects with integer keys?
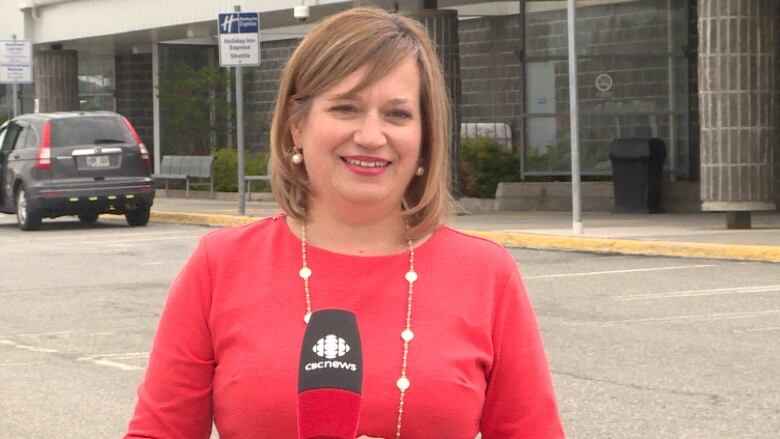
[{"x": 330, "y": 376}]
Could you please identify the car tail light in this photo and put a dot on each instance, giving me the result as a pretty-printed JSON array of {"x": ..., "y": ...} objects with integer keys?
[
  {"x": 144, "y": 153},
  {"x": 43, "y": 157},
  {"x": 141, "y": 147}
]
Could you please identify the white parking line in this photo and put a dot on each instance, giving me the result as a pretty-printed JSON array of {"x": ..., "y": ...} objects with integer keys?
[
  {"x": 676, "y": 319},
  {"x": 128, "y": 240},
  {"x": 59, "y": 334},
  {"x": 596, "y": 273},
  {"x": 109, "y": 360},
  {"x": 97, "y": 236},
  {"x": 26, "y": 348},
  {"x": 698, "y": 293},
  {"x": 114, "y": 364},
  {"x": 80, "y": 288},
  {"x": 772, "y": 328}
]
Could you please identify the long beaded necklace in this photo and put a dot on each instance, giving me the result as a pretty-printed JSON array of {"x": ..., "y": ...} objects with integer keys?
[{"x": 406, "y": 335}]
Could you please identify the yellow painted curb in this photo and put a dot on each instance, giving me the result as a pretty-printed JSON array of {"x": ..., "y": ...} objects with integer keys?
[
  {"x": 762, "y": 253},
  {"x": 202, "y": 219}
]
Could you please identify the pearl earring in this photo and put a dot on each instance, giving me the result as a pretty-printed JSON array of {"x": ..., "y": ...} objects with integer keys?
[
  {"x": 297, "y": 157},
  {"x": 420, "y": 171}
]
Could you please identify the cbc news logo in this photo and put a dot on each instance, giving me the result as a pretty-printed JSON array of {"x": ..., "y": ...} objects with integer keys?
[{"x": 331, "y": 346}]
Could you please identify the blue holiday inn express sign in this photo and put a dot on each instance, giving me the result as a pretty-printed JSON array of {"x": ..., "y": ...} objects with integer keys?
[{"x": 239, "y": 39}]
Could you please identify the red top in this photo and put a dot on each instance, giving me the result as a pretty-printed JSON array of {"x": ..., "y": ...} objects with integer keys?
[{"x": 228, "y": 341}]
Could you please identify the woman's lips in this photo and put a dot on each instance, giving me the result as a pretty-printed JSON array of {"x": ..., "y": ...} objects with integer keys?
[{"x": 365, "y": 166}]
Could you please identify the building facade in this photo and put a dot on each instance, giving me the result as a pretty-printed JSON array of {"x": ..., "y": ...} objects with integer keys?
[{"x": 701, "y": 75}]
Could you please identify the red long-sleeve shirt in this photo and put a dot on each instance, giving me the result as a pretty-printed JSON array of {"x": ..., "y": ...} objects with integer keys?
[{"x": 229, "y": 339}]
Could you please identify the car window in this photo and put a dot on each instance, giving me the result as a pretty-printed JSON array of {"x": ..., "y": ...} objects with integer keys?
[
  {"x": 75, "y": 131},
  {"x": 30, "y": 138},
  {"x": 12, "y": 132},
  {"x": 20, "y": 139}
]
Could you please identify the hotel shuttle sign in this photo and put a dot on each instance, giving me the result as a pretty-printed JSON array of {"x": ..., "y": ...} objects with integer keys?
[
  {"x": 16, "y": 62},
  {"x": 239, "y": 39}
]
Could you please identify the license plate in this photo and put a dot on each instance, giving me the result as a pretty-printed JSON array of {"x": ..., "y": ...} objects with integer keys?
[{"x": 98, "y": 161}]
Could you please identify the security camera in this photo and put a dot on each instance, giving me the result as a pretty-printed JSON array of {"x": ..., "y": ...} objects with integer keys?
[{"x": 301, "y": 13}]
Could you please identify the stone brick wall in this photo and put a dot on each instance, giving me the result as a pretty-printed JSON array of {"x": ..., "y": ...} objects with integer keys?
[
  {"x": 491, "y": 72},
  {"x": 737, "y": 94},
  {"x": 134, "y": 93},
  {"x": 260, "y": 87}
]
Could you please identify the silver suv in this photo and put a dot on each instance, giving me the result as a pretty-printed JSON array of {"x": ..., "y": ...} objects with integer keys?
[{"x": 80, "y": 163}]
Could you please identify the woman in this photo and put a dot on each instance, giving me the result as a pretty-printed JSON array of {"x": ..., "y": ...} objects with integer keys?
[{"x": 359, "y": 151}]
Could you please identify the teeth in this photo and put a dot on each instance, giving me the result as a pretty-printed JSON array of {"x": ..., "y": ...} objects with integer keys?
[{"x": 363, "y": 164}]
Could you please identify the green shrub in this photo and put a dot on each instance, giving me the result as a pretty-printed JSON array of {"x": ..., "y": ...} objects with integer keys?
[
  {"x": 484, "y": 163},
  {"x": 226, "y": 168}
]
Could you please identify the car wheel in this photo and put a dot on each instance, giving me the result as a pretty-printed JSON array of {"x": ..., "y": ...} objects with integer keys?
[
  {"x": 88, "y": 218},
  {"x": 139, "y": 216},
  {"x": 26, "y": 217}
]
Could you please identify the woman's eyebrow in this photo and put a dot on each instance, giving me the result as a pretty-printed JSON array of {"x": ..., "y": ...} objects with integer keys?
[
  {"x": 357, "y": 98},
  {"x": 400, "y": 101},
  {"x": 344, "y": 97}
]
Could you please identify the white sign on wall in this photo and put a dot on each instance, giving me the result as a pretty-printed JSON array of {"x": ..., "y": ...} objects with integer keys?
[
  {"x": 16, "y": 62},
  {"x": 604, "y": 82},
  {"x": 239, "y": 39}
]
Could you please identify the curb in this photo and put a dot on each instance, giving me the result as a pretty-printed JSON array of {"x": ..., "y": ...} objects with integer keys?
[
  {"x": 202, "y": 219},
  {"x": 756, "y": 253}
]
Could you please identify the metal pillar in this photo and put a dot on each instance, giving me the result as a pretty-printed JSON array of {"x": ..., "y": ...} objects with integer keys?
[
  {"x": 240, "y": 132},
  {"x": 156, "y": 104},
  {"x": 576, "y": 194}
]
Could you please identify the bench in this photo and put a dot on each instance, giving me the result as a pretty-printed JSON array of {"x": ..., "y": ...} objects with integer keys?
[
  {"x": 248, "y": 179},
  {"x": 187, "y": 168}
]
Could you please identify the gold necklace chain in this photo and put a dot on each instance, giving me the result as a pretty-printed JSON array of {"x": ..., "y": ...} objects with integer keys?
[{"x": 406, "y": 335}]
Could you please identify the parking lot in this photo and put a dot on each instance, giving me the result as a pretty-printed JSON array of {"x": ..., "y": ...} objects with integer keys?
[{"x": 640, "y": 347}]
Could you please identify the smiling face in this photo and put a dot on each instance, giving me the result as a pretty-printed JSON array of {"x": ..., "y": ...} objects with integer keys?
[{"x": 361, "y": 150}]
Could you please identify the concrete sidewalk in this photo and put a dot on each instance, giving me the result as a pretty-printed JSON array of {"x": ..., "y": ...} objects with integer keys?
[{"x": 695, "y": 235}]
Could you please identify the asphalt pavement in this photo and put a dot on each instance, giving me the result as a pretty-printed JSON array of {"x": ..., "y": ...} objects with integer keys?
[
  {"x": 695, "y": 235},
  {"x": 639, "y": 347}
]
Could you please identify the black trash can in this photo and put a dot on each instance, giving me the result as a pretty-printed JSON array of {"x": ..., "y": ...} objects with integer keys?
[{"x": 637, "y": 172}]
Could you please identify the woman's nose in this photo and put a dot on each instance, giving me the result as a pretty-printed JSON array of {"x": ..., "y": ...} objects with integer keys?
[{"x": 369, "y": 133}]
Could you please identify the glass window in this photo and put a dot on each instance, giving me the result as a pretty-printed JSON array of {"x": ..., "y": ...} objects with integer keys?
[
  {"x": 2, "y": 137},
  {"x": 20, "y": 139},
  {"x": 31, "y": 140},
  {"x": 89, "y": 130},
  {"x": 6, "y": 102},
  {"x": 192, "y": 94},
  {"x": 607, "y": 27},
  {"x": 632, "y": 81},
  {"x": 96, "y": 81},
  {"x": 11, "y": 133}
]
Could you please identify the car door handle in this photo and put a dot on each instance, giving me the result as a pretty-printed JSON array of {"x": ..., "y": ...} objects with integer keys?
[{"x": 16, "y": 156}]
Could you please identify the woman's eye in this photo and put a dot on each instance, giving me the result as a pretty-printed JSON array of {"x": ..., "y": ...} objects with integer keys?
[
  {"x": 347, "y": 109},
  {"x": 400, "y": 114}
]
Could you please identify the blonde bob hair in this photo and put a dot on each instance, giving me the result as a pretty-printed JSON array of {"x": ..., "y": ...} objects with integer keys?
[{"x": 335, "y": 48}]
